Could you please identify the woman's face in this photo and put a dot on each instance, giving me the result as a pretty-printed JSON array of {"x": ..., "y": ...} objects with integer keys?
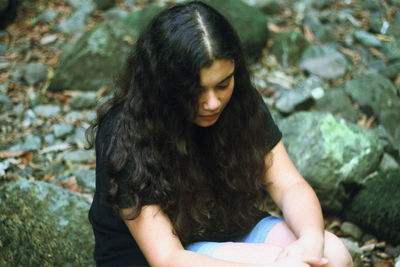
[{"x": 216, "y": 85}]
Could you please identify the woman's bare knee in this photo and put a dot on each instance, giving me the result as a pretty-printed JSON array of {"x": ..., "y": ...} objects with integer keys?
[
  {"x": 336, "y": 252},
  {"x": 280, "y": 235}
]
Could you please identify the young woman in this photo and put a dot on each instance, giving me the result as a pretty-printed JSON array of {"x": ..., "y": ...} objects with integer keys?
[{"x": 186, "y": 151}]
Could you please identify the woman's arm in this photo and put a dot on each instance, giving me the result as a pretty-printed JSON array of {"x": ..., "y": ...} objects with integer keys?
[
  {"x": 152, "y": 231},
  {"x": 297, "y": 200}
]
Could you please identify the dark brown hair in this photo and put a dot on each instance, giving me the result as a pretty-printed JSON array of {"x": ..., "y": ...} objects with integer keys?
[{"x": 206, "y": 180}]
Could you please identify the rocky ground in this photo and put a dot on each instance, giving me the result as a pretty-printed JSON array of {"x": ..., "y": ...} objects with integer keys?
[{"x": 42, "y": 130}]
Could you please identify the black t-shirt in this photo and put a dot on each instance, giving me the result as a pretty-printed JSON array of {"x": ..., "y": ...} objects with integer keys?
[{"x": 114, "y": 244}]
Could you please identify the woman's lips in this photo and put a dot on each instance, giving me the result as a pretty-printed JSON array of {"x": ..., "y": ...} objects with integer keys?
[{"x": 209, "y": 117}]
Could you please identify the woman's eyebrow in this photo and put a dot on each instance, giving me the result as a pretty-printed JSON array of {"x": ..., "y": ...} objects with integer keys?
[{"x": 227, "y": 77}]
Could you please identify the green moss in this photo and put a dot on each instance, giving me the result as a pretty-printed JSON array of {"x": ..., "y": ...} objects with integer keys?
[
  {"x": 32, "y": 231},
  {"x": 376, "y": 207}
]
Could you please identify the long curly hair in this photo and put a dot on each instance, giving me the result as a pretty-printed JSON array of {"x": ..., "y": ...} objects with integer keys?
[{"x": 209, "y": 181}]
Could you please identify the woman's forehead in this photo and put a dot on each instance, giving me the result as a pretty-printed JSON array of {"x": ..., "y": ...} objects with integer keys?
[{"x": 216, "y": 73}]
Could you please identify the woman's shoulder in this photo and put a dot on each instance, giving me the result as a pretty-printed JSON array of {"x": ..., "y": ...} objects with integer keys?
[{"x": 109, "y": 124}]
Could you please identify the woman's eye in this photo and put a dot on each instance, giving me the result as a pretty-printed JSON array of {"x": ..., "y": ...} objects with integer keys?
[{"x": 223, "y": 86}]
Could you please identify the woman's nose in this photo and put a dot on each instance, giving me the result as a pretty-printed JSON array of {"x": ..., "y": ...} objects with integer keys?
[{"x": 211, "y": 101}]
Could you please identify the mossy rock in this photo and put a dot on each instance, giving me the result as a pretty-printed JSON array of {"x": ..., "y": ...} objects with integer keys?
[
  {"x": 376, "y": 207},
  {"x": 138, "y": 20},
  {"x": 249, "y": 23},
  {"x": 43, "y": 225},
  {"x": 332, "y": 154},
  {"x": 95, "y": 58}
]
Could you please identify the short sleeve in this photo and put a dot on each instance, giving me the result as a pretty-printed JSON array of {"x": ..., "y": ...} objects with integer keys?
[{"x": 274, "y": 135}]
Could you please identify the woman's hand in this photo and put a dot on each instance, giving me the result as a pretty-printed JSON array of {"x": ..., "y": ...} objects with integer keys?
[
  {"x": 308, "y": 250},
  {"x": 306, "y": 246}
]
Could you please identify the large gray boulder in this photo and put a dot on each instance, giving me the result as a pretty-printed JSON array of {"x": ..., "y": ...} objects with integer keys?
[
  {"x": 138, "y": 20},
  {"x": 94, "y": 59},
  {"x": 324, "y": 61},
  {"x": 377, "y": 96},
  {"x": 249, "y": 22},
  {"x": 337, "y": 102},
  {"x": 43, "y": 225},
  {"x": 333, "y": 155}
]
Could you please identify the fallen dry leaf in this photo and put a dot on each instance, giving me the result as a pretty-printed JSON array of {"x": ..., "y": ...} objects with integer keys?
[
  {"x": 27, "y": 158},
  {"x": 10, "y": 154}
]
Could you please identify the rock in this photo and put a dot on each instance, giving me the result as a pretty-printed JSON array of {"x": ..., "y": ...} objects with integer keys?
[
  {"x": 79, "y": 156},
  {"x": 5, "y": 103},
  {"x": 43, "y": 225},
  {"x": 3, "y": 5},
  {"x": 270, "y": 7},
  {"x": 79, "y": 138},
  {"x": 376, "y": 207},
  {"x": 48, "y": 16},
  {"x": 391, "y": 50},
  {"x": 138, "y": 20},
  {"x": 321, "y": 4},
  {"x": 18, "y": 73},
  {"x": 295, "y": 99},
  {"x": 372, "y": 5},
  {"x": 47, "y": 110},
  {"x": 3, "y": 167},
  {"x": 86, "y": 179},
  {"x": 332, "y": 154},
  {"x": 78, "y": 4},
  {"x": 3, "y": 48},
  {"x": 354, "y": 249},
  {"x": 394, "y": 251},
  {"x": 4, "y": 64},
  {"x": 34, "y": 99},
  {"x": 115, "y": 14},
  {"x": 386, "y": 139},
  {"x": 394, "y": 28},
  {"x": 84, "y": 101},
  {"x": 376, "y": 95},
  {"x": 392, "y": 70},
  {"x": 104, "y": 4},
  {"x": 34, "y": 73},
  {"x": 32, "y": 142},
  {"x": 94, "y": 59},
  {"x": 77, "y": 115},
  {"x": 76, "y": 22},
  {"x": 336, "y": 101},
  {"x": 18, "y": 109},
  {"x": 320, "y": 31},
  {"x": 324, "y": 61},
  {"x": 62, "y": 129},
  {"x": 352, "y": 230},
  {"x": 315, "y": 86},
  {"x": 288, "y": 46},
  {"x": 29, "y": 117},
  {"x": 388, "y": 163},
  {"x": 367, "y": 39},
  {"x": 248, "y": 22}
]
